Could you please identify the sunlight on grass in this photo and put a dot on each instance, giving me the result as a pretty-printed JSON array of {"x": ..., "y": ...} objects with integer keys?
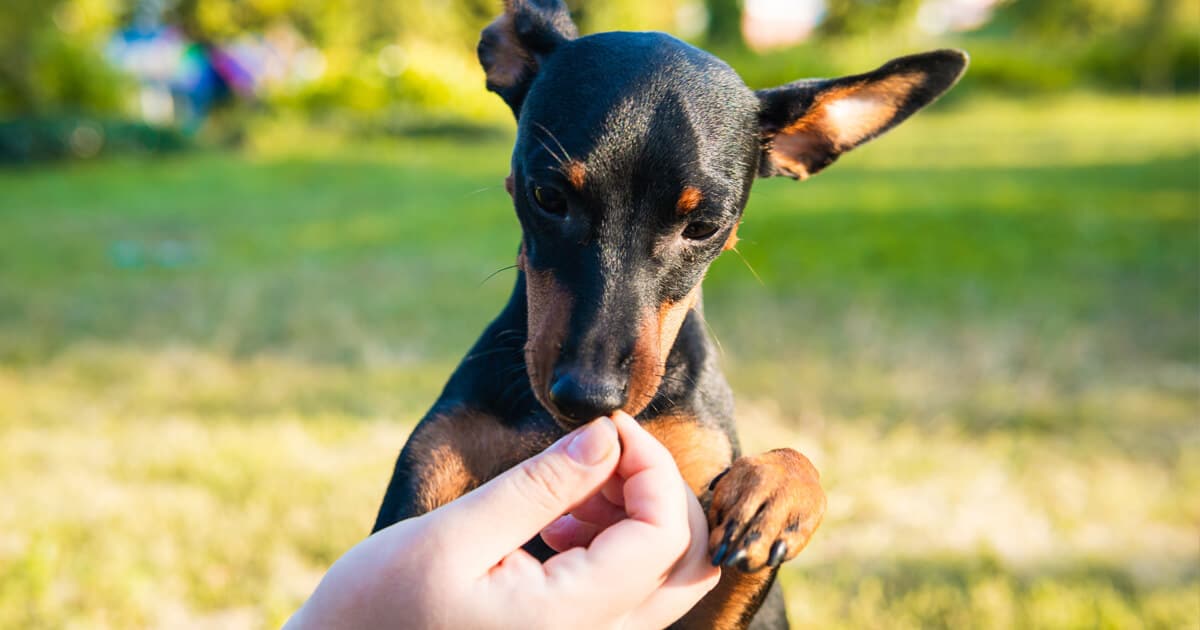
[{"x": 981, "y": 328}]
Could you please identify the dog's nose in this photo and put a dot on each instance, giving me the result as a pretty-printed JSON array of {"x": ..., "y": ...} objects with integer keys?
[{"x": 585, "y": 398}]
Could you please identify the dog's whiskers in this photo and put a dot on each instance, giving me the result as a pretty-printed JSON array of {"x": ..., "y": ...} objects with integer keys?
[
  {"x": 495, "y": 273},
  {"x": 556, "y": 142}
]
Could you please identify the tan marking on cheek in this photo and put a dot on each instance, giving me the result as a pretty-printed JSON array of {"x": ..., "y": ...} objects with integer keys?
[
  {"x": 700, "y": 452},
  {"x": 508, "y": 185},
  {"x": 732, "y": 241},
  {"x": 650, "y": 351},
  {"x": 549, "y": 308},
  {"x": 689, "y": 200},
  {"x": 576, "y": 173},
  {"x": 460, "y": 450},
  {"x": 671, "y": 318}
]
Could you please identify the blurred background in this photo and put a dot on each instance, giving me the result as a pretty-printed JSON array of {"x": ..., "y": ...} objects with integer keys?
[{"x": 243, "y": 244}]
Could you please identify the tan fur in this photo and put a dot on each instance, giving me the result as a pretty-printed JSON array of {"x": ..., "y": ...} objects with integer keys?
[
  {"x": 700, "y": 452},
  {"x": 838, "y": 120},
  {"x": 780, "y": 492},
  {"x": 653, "y": 345},
  {"x": 549, "y": 307},
  {"x": 460, "y": 450},
  {"x": 576, "y": 173},
  {"x": 732, "y": 241},
  {"x": 726, "y": 606},
  {"x": 689, "y": 200}
]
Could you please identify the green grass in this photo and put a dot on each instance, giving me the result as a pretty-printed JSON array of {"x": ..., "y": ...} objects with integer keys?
[{"x": 982, "y": 328}]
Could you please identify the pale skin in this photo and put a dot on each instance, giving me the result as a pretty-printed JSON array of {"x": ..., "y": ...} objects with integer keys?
[{"x": 631, "y": 535}]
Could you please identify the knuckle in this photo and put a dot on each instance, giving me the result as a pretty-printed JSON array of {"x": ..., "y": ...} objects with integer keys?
[{"x": 544, "y": 482}]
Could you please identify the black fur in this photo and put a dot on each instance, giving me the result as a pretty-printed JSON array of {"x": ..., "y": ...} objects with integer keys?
[{"x": 647, "y": 115}]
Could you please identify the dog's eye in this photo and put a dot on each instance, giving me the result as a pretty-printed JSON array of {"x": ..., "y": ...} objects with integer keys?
[
  {"x": 700, "y": 230},
  {"x": 550, "y": 200}
]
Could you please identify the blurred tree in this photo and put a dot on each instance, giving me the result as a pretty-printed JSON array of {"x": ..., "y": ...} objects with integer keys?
[
  {"x": 1155, "y": 29},
  {"x": 1131, "y": 44},
  {"x": 724, "y": 23},
  {"x": 859, "y": 17},
  {"x": 1071, "y": 18},
  {"x": 21, "y": 24},
  {"x": 376, "y": 57},
  {"x": 50, "y": 57}
]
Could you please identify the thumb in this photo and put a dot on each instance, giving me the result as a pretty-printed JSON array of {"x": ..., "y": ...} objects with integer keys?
[{"x": 495, "y": 519}]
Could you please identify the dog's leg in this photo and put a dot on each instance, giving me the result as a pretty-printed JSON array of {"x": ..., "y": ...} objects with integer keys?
[
  {"x": 450, "y": 453},
  {"x": 761, "y": 511}
]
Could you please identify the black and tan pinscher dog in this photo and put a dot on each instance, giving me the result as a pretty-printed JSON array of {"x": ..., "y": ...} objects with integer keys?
[{"x": 633, "y": 162}]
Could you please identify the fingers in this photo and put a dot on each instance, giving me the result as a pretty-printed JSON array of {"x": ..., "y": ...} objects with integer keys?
[
  {"x": 578, "y": 528},
  {"x": 598, "y": 510},
  {"x": 692, "y": 577},
  {"x": 614, "y": 491},
  {"x": 515, "y": 506},
  {"x": 636, "y": 554},
  {"x": 650, "y": 474},
  {"x": 569, "y": 532}
]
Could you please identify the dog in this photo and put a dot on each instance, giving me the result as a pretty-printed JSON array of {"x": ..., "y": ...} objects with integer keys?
[{"x": 633, "y": 161}]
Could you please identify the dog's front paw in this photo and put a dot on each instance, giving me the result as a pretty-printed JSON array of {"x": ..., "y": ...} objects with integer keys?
[{"x": 764, "y": 509}]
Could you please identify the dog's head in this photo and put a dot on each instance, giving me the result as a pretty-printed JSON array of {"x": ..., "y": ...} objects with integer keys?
[{"x": 634, "y": 157}]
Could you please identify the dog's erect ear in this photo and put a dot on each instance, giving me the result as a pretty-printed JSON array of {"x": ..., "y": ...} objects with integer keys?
[
  {"x": 513, "y": 46},
  {"x": 806, "y": 125}
]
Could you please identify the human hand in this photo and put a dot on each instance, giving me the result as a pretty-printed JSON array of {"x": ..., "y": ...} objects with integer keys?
[{"x": 632, "y": 547}]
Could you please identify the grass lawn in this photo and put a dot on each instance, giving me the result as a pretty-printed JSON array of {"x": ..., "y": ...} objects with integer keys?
[{"x": 982, "y": 328}]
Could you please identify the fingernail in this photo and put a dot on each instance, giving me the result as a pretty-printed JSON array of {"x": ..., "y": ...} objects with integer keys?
[{"x": 594, "y": 443}]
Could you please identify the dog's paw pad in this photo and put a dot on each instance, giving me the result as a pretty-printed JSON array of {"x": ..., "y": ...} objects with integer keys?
[{"x": 764, "y": 510}]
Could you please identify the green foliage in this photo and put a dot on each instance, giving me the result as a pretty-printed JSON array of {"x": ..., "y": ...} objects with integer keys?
[
  {"x": 50, "y": 59},
  {"x": 1131, "y": 45},
  {"x": 724, "y": 23},
  {"x": 859, "y": 18},
  {"x": 1077, "y": 19},
  {"x": 28, "y": 140},
  {"x": 384, "y": 59}
]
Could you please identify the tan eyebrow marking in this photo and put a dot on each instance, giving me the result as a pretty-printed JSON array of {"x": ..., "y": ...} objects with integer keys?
[
  {"x": 575, "y": 173},
  {"x": 689, "y": 200}
]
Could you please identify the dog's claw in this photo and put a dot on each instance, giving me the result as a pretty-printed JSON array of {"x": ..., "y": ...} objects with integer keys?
[
  {"x": 716, "y": 560},
  {"x": 713, "y": 484},
  {"x": 739, "y": 557},
  {"x": 769, "y": 505},
  {"x": 724, "y": 548},
  {"x": 778, "y": 553}
]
